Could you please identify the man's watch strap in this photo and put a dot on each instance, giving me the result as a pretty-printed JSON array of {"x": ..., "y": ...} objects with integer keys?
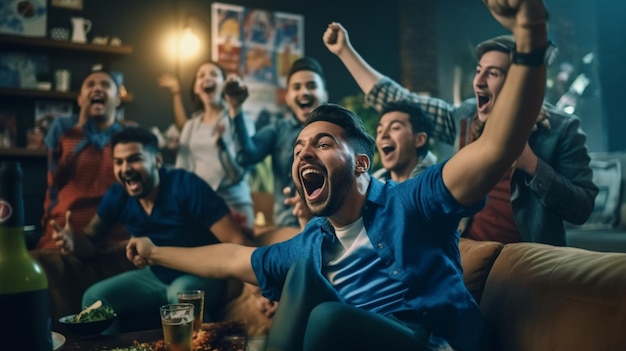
[{"x": 537, "y": 57}]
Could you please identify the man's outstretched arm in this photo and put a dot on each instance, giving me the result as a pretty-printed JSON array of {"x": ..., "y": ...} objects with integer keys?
[
  {"x": 471, "y": 173},
  {"x": 218, "y": 261},
  {"x": 380, "y": 90}
]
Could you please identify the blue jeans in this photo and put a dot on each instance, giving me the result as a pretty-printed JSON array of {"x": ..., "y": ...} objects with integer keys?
[{"x": 136, "y": 296}]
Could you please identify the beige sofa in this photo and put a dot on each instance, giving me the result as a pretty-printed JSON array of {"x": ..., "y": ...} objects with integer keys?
[{"x": 537, "y": 297}]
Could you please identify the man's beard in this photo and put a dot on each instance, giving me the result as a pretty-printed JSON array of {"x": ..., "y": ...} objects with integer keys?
[{"x": 337, "y": 194}]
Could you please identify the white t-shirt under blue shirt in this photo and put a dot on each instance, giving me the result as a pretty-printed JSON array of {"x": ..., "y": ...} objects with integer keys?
[{"x": 358, "y": 274}]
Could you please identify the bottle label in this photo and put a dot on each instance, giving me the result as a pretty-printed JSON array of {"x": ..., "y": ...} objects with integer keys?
[
  {"x": 11, "y": 195},
  {"x": 5, "y": 211},
  {"x": 27, "y": 320}
]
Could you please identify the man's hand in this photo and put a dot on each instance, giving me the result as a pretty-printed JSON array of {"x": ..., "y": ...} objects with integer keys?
[
  {"x": 138, "y": 251},
  {"x": 336, "y": 38},
  {"x": 170, "y": 82},
  {"x": 63, "y": 236},
  {"x": 235, "y": 93},
  {"x": 265, "y": 305},
  {"x": 299, "y": 210},
  {"x": 517, "y": 14}
]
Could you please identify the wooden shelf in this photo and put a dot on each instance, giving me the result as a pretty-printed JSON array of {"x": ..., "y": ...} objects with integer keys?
[
  {"x": 36, "y": 44},
  {"x": 16, "y": 41},
  {"x": 22, "y": 97},
  {"x": 47, "y": 94},
  {"x": 23, "y": 152}
]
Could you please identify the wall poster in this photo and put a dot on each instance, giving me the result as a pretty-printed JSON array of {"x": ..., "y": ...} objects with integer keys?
[
  {"x": 27, "y": 18},
  {"x": 259, "y": 46}
]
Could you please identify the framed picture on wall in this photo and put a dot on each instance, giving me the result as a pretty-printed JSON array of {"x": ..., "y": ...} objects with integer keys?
[
  {"x": 68, "y": 4},
  {"x": 27, "y": 18},
  {"x": 259, "y": 45}
]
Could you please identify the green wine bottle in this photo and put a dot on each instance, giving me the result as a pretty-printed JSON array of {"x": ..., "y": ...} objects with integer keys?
[{"x": 24, "y": 296}]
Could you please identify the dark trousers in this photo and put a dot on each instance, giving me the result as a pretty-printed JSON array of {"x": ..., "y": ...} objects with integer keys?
[{"x": 312, "y": 316}]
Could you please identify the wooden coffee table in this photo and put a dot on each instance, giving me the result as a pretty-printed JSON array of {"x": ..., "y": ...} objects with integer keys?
[{"x": 218, "y": 335}]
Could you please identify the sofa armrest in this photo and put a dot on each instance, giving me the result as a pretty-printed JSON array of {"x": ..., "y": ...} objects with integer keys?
[
  {"x": 541, "y": 297},
  {"x": 477, "y": 257}
]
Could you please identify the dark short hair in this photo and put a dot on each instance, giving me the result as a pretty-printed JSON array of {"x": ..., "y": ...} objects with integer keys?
[
  {"x": 306, "y": 64},
  {"x": 357, "y": 136},
  {"x": 420, "y": 121},
  {"x": 108, "y": 73},
  {"x": 502, "y": 43},
  {"x": 140, "y": 135},
  {"x": 195, "y": 101}
]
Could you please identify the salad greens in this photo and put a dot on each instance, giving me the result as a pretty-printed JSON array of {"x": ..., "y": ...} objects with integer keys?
[{"x": 97, "y": 314}]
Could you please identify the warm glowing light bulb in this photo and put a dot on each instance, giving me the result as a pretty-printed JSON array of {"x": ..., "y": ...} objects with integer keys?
[{"x": 189, "y": 44}]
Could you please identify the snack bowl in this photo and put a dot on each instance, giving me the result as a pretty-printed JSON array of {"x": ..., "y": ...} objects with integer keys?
[{"x": 86, "y": 328}]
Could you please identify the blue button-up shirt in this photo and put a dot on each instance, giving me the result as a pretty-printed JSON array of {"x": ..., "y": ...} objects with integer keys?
[{"x": 413, "y": 228}]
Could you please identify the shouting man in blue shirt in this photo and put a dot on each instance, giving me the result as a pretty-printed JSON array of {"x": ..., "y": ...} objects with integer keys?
[{"x": 378, "y": 268}]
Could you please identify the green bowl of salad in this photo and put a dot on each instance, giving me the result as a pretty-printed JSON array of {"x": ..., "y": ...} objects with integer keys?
[{"x": 91, "y": 321}]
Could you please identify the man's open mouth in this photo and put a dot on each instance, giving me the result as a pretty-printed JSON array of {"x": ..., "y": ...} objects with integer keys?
[
  {"x": 133, "y": 182},
  {"x": 97, "y": 100},
  {"x": 305, "y": 104},
  {"x": 386, "y": 149},
  {"x": 312, "y": 181},
  {"x": 483, "y": 100}
]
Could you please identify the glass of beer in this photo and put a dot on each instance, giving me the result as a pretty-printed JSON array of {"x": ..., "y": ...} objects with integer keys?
[
  {"x": 196, "y": 298},
  {"x": 177, "y": 321}
]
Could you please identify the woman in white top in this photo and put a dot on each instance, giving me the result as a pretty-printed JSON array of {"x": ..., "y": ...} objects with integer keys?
[{"x": 207, "y": 146}]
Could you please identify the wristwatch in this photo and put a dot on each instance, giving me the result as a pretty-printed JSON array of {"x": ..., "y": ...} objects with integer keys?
[{"x": 537, "y": 57}]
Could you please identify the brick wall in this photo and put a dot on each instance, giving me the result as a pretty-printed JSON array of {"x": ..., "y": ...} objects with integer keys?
[{"x": 418, "y": 45}]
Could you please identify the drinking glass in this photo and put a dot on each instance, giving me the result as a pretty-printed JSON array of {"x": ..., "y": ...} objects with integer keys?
[
  {"x": 196, "y": 298},
  {"x": 177, "y": 321}
]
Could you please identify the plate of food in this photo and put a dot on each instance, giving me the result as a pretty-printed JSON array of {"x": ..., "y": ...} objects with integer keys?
[
  {"x": 91, "y": 321},
  {"x": 58, "y": 340}
]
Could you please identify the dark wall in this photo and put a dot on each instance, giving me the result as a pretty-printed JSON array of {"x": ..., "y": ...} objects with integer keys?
[
  {"x": 612, "y": 56},
  {"x": 144, "y": 23}
]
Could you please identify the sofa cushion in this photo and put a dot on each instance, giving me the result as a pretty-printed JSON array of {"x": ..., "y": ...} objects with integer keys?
[
  {"x": 541, "y": 297},
  {"x": 477, "y": 257}
]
